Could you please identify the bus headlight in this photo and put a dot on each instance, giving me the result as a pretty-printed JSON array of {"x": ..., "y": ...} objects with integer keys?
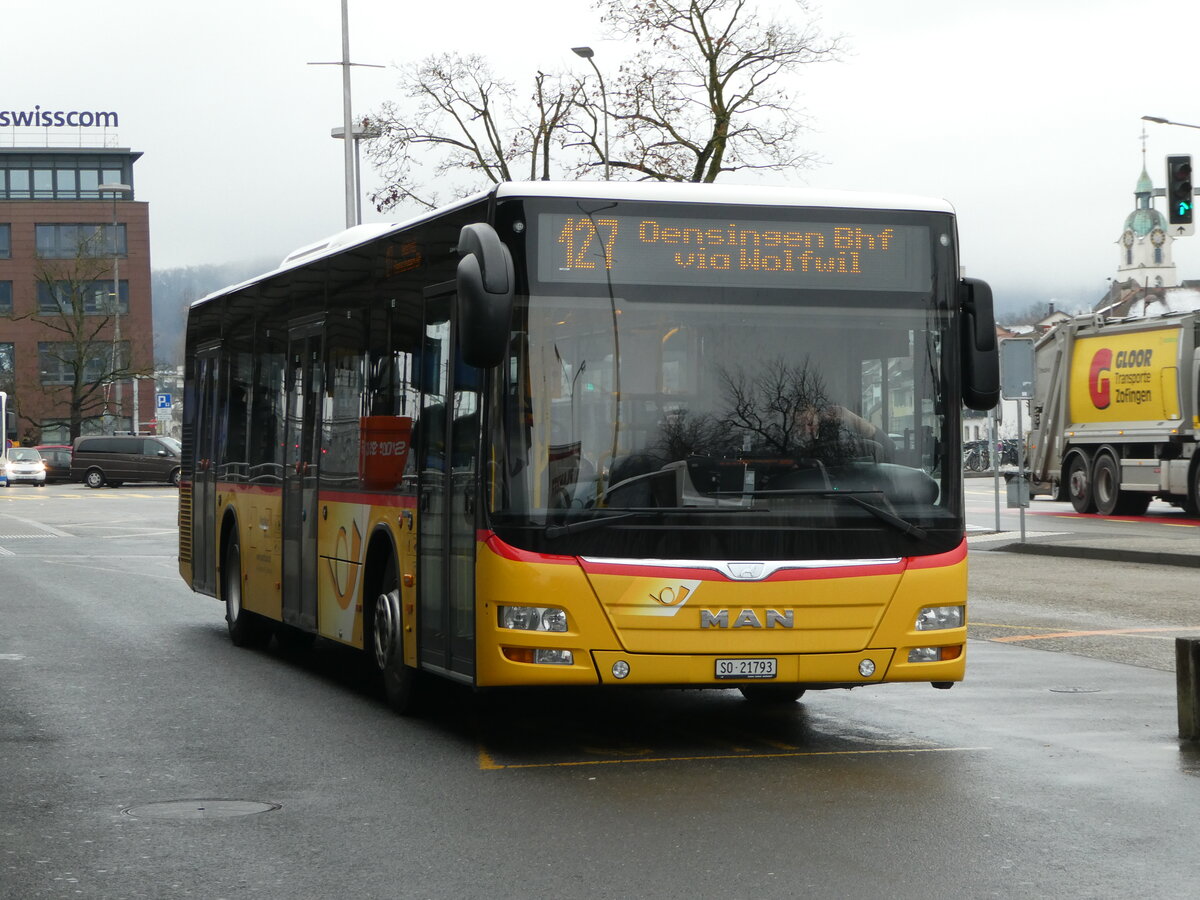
[
  {"x": 533, "y": 618},
  {"x": 935, "y": 618}
]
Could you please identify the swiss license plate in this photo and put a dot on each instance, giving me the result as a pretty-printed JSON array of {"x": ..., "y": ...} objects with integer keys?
[{"x": 746, "y": 668}]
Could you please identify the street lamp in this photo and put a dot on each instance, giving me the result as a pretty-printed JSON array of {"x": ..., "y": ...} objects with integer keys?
[
  {"x": 360, "y": 133},
  {"x": 589, "y": 54},
  {"x": 1162, "y": 121},
  {"x": 116, "y": 189}
]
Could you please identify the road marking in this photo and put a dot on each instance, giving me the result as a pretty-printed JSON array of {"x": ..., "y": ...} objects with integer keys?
[
  {"x": 1068, "y": 634},
  {"x": 488, "y": 763}
]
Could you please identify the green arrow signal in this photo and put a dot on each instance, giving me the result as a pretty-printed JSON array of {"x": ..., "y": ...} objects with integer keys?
[{"x": 1184, "y": 206}]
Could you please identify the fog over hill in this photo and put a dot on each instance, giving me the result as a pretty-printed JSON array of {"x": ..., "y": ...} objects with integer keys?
[{"x": 173, "y": 290}]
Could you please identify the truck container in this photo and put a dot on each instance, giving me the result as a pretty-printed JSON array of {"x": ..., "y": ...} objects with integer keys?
[{"x": 1114, "y": 417}]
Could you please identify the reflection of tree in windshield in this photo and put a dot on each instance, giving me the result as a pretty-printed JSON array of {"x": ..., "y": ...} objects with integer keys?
[{"x": 781, "y": 412}]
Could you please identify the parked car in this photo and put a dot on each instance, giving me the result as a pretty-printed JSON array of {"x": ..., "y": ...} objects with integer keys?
[
  {"x": 97, "y": 460},
  {"x": 58, "y": 460},
  {"x": 25, "y": 464}
]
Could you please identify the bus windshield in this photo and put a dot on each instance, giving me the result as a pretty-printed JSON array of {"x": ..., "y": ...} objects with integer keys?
[{"x": 713, "y": 418}]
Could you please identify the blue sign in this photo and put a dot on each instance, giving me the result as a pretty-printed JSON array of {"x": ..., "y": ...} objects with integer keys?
[{"x": 164, "y": 401}]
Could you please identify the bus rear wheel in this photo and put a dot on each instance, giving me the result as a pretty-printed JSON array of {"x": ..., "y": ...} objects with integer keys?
[
  {"x": 772, "y": 694},
  {"x": 246, "y": 629},
  {"x": 401, "y": 683}
]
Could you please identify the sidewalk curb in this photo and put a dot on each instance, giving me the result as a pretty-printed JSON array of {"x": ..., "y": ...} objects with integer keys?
[{"x": 1112, "y": 555}]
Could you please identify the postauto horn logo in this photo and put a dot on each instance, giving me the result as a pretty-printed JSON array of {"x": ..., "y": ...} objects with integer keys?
[
  {"x": 1099, "y": 386},
  {"x": 56, "y": 118}
]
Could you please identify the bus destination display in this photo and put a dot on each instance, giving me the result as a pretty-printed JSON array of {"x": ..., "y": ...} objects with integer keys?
[{"x": 620, "y": 249}]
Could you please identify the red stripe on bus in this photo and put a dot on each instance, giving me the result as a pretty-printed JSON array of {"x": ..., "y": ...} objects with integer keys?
[
  {"x": 508, "y": 551},
  {"x": 940, "y": 560}
]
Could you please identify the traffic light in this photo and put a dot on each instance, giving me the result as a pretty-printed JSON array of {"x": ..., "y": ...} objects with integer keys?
[{"x": 1180, "y": 200}]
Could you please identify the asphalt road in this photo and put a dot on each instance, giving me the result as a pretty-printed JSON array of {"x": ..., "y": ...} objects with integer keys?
[{"x": 136, "y": 744}]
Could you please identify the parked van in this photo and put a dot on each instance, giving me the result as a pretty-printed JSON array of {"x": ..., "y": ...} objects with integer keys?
[{"x": 97, "y": 460}]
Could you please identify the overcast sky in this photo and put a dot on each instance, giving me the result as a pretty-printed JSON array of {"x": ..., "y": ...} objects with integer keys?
[{"x": 1025, "y": 114}]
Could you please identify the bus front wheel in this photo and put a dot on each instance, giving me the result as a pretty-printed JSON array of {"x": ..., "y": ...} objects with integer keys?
[
  {"x": 775, "y": 694},
  {"x": 401, "y": 684}
]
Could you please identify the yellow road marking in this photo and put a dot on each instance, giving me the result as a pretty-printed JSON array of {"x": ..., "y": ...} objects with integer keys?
[
  {"x": 488, "y": 763},
  {"x": 1068, "y": 634}
]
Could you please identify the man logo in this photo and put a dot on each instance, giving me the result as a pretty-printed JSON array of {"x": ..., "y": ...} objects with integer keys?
[{"x": 747, "y": 618}]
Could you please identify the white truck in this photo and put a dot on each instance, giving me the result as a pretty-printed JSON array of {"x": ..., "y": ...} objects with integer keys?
[{"x": 1116, "y": 413}]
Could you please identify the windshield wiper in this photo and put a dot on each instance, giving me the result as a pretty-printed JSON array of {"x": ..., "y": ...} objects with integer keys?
[
  {"x": 854, "y": 497},
  {"x": 557, "y": 531}
]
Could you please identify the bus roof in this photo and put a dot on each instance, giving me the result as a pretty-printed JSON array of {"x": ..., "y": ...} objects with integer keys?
[
  {"x": 749, "y": 195},
  {"x": 657, "y": 192}
]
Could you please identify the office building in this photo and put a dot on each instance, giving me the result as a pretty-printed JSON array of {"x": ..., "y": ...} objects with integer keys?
[{"x": 76, "y": 335}]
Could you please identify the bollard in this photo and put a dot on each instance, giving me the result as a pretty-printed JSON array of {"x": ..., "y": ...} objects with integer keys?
[{"x": 1187, "y": 680}]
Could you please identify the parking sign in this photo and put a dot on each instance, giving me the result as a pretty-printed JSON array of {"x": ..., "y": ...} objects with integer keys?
[{"x": 164, "y": 401}]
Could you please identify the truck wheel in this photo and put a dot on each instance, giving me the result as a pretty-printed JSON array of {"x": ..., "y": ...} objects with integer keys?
[
  {"x": 1110, "y": 499},
  {"x": 1079, "y": 485},
  {"x": 1193, "y": 501}
]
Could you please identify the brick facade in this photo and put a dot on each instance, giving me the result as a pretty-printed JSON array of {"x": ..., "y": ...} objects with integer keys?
[{"x": 24, "y": 328}]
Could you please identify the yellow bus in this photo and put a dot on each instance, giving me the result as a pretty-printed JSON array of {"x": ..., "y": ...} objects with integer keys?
[{"x": 598, "y": 434}]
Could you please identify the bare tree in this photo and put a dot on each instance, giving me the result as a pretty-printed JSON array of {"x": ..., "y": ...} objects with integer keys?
[
  {"x": 710, "y": 94},
  {"x": 468, "y": 121},
  {"x": 83, "y": 362}
]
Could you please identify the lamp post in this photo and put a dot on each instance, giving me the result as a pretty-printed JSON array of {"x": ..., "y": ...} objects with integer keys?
[
  {"x": 589, "y": 54},
  {"x": 360, "y": 133},
  {"x": 1161, "y": 121},
  {"x": 116, "y": 189},
  {"x": 352, "y": 203}
]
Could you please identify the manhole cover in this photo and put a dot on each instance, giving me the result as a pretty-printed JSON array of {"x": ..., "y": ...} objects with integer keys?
[
  {"x": 199, "y": 809},
  {"x": 1074, "y": 690}
]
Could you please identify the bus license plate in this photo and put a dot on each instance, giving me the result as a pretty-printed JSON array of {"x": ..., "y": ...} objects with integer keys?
[{"x": 746, "y": 668}]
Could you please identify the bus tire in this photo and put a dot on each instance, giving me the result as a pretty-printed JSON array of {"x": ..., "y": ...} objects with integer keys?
[
  {"x": 772, "y": 694},
  {"x": 1078, "y": 479},
  {"x": 1106, "y": 486},
  {"x": 401, "y": 683},
  {"x": 246, "y": 629}
]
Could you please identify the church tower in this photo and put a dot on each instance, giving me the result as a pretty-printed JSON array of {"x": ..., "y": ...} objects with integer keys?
[{"x": 1145, "y": 246}]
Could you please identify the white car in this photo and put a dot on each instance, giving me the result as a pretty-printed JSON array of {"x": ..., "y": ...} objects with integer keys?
[{"x": 25, "y": 464}]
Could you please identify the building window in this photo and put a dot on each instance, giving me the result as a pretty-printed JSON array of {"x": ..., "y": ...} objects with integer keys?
[
  {"x": 66, "y": 176},
  {"x": 7, "y": 366},
  {"x": 81, "y": 240},
  {"x": 5, "y": 241},
  {"x": 58, "y": 360},
  {"x": 1158, "y": 255},
  {"x": 94, "y": 297},
  {"x": 6, "y": 298}
]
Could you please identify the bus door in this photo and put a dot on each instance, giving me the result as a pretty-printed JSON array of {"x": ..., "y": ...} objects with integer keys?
[
  {"x": 305, "y": 384},
  {"x": 207, "y": 378},
  {"x": 448, "y": 446}
]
